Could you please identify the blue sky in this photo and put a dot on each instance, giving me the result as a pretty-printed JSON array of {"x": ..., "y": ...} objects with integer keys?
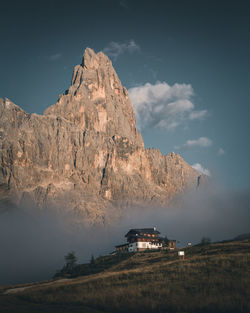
[{"x": 185, "y": 63}]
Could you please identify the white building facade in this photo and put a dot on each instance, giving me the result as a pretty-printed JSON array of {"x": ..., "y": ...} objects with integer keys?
[{"x": 140, "y": 245}]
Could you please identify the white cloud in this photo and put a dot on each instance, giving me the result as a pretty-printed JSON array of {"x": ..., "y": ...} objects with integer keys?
[
  {"x": 200, "y": 142},
  {"x": 55, "y": 57},
  {"x": 198, "y": 115},
  {"x": 115, "y": 49},
  {"x": 221, "y": 151},
  {"x": 200, "y": 169},
  {"x": 162, "y": 105}
]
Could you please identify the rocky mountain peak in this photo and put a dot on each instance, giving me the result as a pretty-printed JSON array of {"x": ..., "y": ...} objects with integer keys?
[
  {"x": 92, "y": 60},
  {"x": 96, "y": 99},
  {"x": 85, "y": 153}
]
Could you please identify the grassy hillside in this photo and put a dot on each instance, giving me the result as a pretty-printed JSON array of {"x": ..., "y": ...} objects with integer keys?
[{"x": 212, "y": 278}]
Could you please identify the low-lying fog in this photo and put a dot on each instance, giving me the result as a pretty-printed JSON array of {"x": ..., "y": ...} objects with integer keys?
[{"x": 33, "y": 246}]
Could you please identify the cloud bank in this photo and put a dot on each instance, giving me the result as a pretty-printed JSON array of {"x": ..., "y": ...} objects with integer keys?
[
  {"x": 33, "y": 244},
  {"x": 115, "y": 49},
  {"x": 164, "y": 106}
]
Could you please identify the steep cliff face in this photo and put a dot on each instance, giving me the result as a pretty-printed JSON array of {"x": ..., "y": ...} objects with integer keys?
[
  {"x": 85, "y": 153},
  {"x": 97, "y": 101}
]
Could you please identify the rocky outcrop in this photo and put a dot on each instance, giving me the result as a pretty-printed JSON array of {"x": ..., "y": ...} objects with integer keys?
[{"x": 85, "y": 153}]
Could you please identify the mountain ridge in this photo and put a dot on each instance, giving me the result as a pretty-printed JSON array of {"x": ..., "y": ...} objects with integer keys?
[{"x": 85, "y": 153}]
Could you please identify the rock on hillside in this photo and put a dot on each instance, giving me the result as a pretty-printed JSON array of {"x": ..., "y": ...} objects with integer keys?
[{"x": 85, "y": 153}]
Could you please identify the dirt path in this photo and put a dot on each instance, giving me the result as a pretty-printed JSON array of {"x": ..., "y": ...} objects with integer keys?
[{"x": 20, "y": 289}]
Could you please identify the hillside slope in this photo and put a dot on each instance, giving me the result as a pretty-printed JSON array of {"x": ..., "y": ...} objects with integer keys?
[
  {"x": 85, "y": 153},
  {"x": 212, "y": 278}
]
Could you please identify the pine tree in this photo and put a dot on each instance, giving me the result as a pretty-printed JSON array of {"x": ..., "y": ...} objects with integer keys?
[{"x": 71, "y": 260}]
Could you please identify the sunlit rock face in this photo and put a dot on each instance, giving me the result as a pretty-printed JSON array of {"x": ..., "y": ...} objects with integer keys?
[{"x": 85, "y": 154}]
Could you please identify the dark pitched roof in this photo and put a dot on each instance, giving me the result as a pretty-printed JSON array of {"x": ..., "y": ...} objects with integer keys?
[
  {"x": 138, "y": 231},
  {"x": 123, "y": 245}
]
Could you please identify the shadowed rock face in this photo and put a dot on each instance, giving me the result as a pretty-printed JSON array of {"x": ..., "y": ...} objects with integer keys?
[{"x": 85, "y": 153}]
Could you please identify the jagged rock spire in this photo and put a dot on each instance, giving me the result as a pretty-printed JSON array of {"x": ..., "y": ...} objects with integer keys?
[
  {"x": 85, "y": 153},
  {"x": 96, "y": 99}
]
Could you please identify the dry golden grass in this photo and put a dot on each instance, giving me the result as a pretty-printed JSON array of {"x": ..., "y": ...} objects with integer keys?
[{"x": 212, "y": 278}]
